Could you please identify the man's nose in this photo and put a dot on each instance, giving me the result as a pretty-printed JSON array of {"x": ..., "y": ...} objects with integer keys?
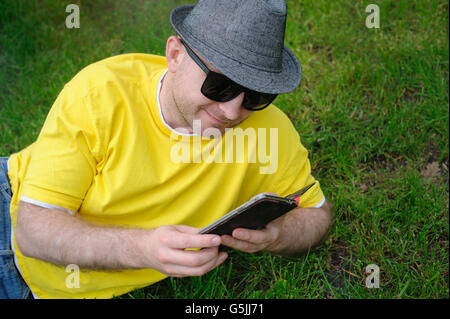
[{"x": 232, "y": 109}]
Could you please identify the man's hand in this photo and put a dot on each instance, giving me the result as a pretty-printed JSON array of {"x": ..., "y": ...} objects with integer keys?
[
  {"x": 167, "y": 252},
  {"x": 251, "y": 241},
  {"x": 289, "y": 235}
]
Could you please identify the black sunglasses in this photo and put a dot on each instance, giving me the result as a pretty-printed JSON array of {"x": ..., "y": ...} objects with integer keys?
[{"x": 219, "y": 88}]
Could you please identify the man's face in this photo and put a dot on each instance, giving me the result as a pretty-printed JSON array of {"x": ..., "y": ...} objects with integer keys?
[{"x": 192, "y": 105}]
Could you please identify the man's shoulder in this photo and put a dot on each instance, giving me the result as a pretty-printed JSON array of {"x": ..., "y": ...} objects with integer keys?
[
  {"x": 127, "y": 68},
  {"x": 136, "y": 64}
]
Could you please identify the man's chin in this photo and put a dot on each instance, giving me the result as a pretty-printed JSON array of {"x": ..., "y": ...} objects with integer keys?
[{"x": 211, "y": 129}]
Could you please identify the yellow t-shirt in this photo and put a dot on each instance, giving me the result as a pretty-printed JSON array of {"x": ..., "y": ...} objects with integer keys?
[{"x": 106, "y": 154}]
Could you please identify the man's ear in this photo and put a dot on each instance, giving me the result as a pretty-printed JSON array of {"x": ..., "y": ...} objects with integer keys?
[{"x": 174, "y": 53}]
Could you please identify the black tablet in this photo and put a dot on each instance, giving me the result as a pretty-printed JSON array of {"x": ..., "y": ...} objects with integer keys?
[{"x": 254, "y": 214}]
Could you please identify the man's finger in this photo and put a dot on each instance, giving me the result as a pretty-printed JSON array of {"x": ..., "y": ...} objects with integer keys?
[
  {"x": 252, "y": 236},
  {"x": 192, "y": 258},
  {"x": 186, "y": 229},
  {"x": 240, "y": 244},
  {"x": 184, "y": 271},
  {"x": 188, "y": 240}
]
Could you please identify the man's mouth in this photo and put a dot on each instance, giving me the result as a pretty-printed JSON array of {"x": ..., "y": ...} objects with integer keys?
[{"x": 217, "y": 120}]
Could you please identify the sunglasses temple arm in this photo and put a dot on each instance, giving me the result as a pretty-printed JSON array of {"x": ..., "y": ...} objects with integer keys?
[{"x": 195, "y": 58}]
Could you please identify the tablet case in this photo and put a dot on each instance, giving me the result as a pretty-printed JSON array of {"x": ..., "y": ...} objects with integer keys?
[{"x": 255, "y": 214}]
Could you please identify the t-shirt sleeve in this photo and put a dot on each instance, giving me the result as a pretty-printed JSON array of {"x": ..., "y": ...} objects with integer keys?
[
  {"x": 65, "y": 156},
  {"x": 295, "y": 172}
]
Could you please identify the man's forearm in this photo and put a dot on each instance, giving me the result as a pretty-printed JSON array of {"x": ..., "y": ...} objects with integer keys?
[
  {"x": 301, "y": 229},
  {"x": 59, "y": 238}
]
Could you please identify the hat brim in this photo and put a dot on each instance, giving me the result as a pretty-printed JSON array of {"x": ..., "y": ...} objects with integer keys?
[{"x": 255, "y": 79}]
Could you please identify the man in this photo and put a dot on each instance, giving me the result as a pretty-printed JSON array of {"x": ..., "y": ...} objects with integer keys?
[{"x": 100, "y": 204}]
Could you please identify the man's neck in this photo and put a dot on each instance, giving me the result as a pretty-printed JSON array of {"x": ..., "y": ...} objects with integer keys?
[{"x": 172, "y": 116}]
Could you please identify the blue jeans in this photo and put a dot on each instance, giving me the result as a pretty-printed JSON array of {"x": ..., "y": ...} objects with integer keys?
[{"x": 12, "y": 286}]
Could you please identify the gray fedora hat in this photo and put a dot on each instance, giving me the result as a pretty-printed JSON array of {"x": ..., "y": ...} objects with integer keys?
[{"x": 244, "y": 39}]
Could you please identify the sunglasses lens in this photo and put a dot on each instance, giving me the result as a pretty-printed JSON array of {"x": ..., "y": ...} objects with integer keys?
[
  {"x": 256, "y": 101},
  {"x": 219, "y": 88}
]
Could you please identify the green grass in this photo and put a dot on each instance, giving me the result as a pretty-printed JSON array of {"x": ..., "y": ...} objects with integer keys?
[{"x": 372, "y": 109}]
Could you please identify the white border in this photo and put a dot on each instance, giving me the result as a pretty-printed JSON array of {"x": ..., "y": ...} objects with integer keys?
[
  {"x": 45, "y": 205},
  {"x": 320, "y": 204}
]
